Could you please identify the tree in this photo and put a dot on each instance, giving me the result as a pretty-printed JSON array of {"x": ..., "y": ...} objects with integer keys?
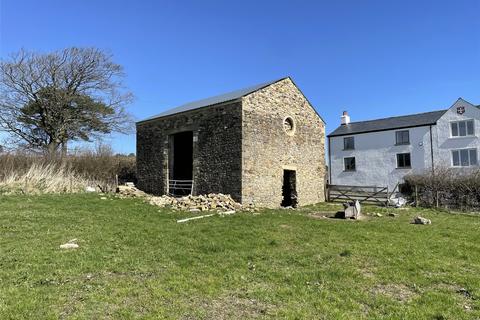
[{"x": 48, "y": 100}]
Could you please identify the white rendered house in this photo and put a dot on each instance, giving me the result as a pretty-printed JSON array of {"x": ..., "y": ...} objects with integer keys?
[{"x": 381, "y": 152}]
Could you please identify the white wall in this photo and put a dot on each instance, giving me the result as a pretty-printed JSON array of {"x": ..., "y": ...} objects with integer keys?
[
  {"x": 443, "y": 141},
  {"x": 376, "y": 157},
  {"x": 375, "y": 152}
]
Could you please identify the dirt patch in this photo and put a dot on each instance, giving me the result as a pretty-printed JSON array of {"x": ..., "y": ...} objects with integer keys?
[
  {"x": 332, "y": 215},
  {"x": 367, "y": 271},
  {"x": 321, "y": 215},
  {"x": 398, "y": 292},
  {"x": 234, "y": 307}
]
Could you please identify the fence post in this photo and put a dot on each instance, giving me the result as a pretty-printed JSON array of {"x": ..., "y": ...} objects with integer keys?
[
  {"x": 388, "y": 196},
  {"x": 416, "y": 196},
  {"x": 437, "y": 198}
]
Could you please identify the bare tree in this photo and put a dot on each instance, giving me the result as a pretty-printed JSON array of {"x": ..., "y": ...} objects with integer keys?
[{"x": 47, "y": 100}]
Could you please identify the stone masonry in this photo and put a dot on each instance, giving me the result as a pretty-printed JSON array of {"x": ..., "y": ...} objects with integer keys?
[
  {"x": 242, "y": 147},
  {"x": 217, "y": 132},
  {"x": 267, "y": 149}
]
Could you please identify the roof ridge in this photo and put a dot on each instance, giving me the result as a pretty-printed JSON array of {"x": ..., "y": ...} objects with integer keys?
[{"x": 406, "y": 115}]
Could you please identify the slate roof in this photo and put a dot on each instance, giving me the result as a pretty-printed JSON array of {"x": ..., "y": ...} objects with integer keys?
[
  {"x": 408, "y": 121},
  {"x": 413, "y": 120},
  {"x": 230, "y": 96}
]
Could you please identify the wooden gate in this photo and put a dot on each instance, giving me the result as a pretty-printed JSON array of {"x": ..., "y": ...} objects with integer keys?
[{"x": 364, "y": 194}]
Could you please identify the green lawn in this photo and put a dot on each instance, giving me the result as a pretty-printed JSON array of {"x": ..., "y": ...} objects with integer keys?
[{"x": 135, "y": 261}]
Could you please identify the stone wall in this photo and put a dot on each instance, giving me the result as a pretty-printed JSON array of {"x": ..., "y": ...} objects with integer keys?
[
  {"x": 216, "y": 149},
  {"x": 268, "y": 148}
]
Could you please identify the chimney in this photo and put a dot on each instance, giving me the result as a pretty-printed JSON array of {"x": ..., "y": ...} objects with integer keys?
[{"x": 345, "y": 118}]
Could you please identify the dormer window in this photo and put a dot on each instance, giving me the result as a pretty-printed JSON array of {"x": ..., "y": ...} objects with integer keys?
[{"x": 463, "y": 128}]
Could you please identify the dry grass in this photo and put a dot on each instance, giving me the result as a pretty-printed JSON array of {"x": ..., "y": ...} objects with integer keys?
[
  {"x": 22, "y": 173},
  {"x": 45, "y": 178}
]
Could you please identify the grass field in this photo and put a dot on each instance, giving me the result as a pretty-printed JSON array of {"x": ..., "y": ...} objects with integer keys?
[{"x": 135, "y": 261}]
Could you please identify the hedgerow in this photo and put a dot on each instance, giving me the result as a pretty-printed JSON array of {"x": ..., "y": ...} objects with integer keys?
[{"x": 445, "y": 187}]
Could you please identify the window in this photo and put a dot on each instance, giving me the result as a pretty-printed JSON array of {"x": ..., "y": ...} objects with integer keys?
[
  {"x": 349, "y": 164},
  {"x": 349, "y": 143},
  {"x": 463, "y": 128},
  {"x": 402, "y": 137},
  {"x": 289, "y": 126},
  {"x": 464, "y": 157},
  {"x": 403, "y": 160}
]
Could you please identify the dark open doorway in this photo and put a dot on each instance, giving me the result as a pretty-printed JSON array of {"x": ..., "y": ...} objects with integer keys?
[
  {"x": 289, "y": 189},
  {"x": 181, "y": 163}
]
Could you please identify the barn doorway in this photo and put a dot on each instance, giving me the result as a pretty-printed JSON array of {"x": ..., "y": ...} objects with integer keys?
[
  {"x": 289, "y": 189},
  {"x": 181, "y": 163}
]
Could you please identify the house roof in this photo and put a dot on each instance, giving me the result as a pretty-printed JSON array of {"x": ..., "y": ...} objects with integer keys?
[
  {"x": 408, "y": 121},
  {"x": 413, "y": 120},
  {"x": 226, "y": 97}
]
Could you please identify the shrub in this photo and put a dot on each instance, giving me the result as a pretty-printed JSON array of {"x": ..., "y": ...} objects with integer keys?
[{"x": 446, "y": 187}]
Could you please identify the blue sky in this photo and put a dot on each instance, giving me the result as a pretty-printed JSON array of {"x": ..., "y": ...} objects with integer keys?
[{"x": 372, "y": 58}]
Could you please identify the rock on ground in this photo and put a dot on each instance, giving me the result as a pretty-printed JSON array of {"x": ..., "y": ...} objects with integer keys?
[
  {"x": 352, "y": 210},
  {"x": 421, "y": 220},
  {"x": 70, "y": 245}
]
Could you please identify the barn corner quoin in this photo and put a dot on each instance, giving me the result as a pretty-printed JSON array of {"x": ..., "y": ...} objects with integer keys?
[{"x": 263, "y": 145}]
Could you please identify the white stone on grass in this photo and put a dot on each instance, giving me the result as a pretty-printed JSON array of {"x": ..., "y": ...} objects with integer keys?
[{"x": 70, "y": 245}]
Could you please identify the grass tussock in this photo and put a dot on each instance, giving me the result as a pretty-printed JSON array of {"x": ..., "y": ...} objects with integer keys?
[{"x": 22, "y": 173}]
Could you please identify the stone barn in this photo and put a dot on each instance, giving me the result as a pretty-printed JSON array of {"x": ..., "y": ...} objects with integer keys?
[{"x": 263, "y": 145}]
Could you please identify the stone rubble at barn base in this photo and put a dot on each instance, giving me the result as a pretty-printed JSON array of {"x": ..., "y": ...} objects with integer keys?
[
  {"x": 129, "y": 191},
  {"x": 213, "y": 201}
]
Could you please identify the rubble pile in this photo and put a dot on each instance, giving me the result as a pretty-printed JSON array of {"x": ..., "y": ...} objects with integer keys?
[
  {"x": 213, "y": 201},
  {"x": 129, "y": 191},
  {"x": 219, "y": 202}
]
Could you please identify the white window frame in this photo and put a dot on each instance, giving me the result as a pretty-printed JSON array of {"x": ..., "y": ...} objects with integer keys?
[
  {"x": 458, "y": 128},
  {"x": 410, "y": 156},
  {"x": 460, "y": 159}
]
